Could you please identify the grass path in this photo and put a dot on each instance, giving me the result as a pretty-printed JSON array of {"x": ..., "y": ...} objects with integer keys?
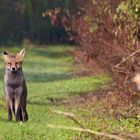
[{"x": 48, "y": 74}]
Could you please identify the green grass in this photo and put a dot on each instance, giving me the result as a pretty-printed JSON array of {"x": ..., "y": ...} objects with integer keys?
[{"x": 48, "y": 74}]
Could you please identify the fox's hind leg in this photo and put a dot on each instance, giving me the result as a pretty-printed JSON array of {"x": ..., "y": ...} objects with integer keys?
[
  {"x": 24, "y": 111},
  {"x": 20, "y": 115},
  {"x": 24, "y": 114}
]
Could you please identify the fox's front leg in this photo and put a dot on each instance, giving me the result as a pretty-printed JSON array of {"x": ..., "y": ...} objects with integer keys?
[
  {"x": 9, "y": 106},
  {"x": 9, "y": 102},
  {"x": 17, "y": 109},
  {"x": 20, "y": 104}
]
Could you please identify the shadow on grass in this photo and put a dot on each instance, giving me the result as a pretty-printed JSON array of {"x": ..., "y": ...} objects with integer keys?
[
  {"x": 45, "y": 66},
  {"x": 40, "y": 103},
  {"x": 31, "y": 64},
  {"x": 45, "y": 100},
  {"x": 50, "y": 54},
  {"x": 46, "y": 77}
]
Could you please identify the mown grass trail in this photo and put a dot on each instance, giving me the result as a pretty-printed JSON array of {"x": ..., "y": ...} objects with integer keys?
[{"x": 48, "y": 74}]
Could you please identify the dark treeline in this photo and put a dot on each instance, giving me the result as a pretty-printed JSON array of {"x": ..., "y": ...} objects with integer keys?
[{"x": 22, "y": 19}]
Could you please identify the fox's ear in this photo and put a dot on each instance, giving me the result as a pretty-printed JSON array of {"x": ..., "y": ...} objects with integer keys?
[
  {"x": 21, "y": 54},
  {"x": 5, "y": 54}
]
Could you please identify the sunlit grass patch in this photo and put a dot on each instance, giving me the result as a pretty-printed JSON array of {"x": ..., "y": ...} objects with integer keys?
[{"x": 48, "y": 72}]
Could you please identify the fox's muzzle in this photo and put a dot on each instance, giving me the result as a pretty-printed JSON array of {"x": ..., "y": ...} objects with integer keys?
[{"x": 13, "y": 69}]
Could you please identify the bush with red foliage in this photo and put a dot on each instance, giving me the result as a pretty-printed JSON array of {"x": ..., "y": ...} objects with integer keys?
[
  {"x": 62, "y": 18},
  {"x": 93, "y": 28},
  {"x": 96, "y": 36}
]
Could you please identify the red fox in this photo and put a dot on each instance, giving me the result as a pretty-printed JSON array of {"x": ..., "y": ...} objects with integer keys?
[{"x": 15, "y": 86}]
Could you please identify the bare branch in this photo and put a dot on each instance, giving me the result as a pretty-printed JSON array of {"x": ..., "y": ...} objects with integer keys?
[
  {"x": 128, "y": 57},
  {"x": 69, "y": 115},
  {"x": 87, "y": 130}
]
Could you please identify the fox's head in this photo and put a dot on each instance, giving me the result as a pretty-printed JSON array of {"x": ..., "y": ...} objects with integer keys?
[{"x": 13, "y": 62}]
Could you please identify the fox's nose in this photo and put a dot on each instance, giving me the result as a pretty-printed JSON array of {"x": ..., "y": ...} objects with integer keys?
[{"x": 13, "y": 68}]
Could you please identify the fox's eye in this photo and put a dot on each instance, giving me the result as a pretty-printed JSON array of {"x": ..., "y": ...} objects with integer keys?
[
  {"x": 9, "y": 63},
  {"x": 17, "y": 63}
]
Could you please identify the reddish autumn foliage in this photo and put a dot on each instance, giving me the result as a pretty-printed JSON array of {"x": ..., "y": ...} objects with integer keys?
[{"x": 93, "y": 28}]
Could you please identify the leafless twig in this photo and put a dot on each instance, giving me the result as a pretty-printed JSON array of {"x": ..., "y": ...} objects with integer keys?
[
  {"x": 68, "y": 115},
  {"x": 128, "y": 57},
  {"x": 87, "y": 130}
]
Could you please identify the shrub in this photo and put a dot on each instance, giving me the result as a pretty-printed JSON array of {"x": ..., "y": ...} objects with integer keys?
[{"x": 127, "y": 19}]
